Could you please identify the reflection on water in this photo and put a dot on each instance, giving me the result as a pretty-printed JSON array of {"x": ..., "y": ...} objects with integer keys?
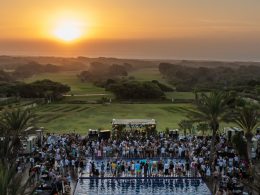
[{"x": 141, "y": 186}]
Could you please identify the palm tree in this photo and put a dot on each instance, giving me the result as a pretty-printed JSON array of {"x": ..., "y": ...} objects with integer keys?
[
  {"x": 13, "y": 124},
  {"x": 211, "y": 109},
  {"x": 203, "y": 127},
  {"x": 185, "y": 125},
  {"x": 12, "y": 183},
  {"x": 247, "y": 119}
]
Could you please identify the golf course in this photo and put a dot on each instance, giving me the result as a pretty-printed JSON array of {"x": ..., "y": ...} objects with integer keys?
[{"x": 80, "y": 111}]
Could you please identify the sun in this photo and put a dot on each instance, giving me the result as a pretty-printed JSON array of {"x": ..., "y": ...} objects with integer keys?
[{"x": 67, "y": 30}]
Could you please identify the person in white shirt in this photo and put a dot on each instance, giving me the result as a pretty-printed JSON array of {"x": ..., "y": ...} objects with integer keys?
[
  {"x": 230, "y": 161},
  {"x": 73, "y": 163},
  {"x": 179, "y": 151},
  {"x": 162, "y": 151},
  {"x": 166, "y": 168},
  {"x": 224, "y": 162},
  {"x": 208, "y": 172},
  {"x": 32, "y": 161}
]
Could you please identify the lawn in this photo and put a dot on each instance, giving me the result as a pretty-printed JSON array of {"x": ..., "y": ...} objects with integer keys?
[
  {"x": 89, "y": 92},
  {"x": 147, "y": 74},
  {"x": 79, "y": 88},
  {"x": 180, "y": 95},
  {"x": 78, "y": 113},
  {"x": 60, "y": 118},
  {"x": 70, "y": 78}
]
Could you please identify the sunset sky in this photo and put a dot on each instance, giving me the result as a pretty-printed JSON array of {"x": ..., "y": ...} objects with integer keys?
[{"x": 166, "y": 29}]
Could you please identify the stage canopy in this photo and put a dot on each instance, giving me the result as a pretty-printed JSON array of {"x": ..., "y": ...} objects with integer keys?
[{"x": 133, "y": 122}]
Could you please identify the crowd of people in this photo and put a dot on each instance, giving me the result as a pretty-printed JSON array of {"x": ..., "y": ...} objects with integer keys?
[
  {"x": 141, "y": 168},
  {"x": 61, "y": 159}
]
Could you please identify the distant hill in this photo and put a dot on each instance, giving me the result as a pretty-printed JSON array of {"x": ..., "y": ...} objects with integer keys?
[
  {"x": 82, "y": 63},
  {"x": 70, "y": 64}
]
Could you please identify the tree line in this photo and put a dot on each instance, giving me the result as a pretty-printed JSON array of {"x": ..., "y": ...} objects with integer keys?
[
  {"x": 39, "y": 89},
  {"x": 99, "y": 72},
  {"x": 129, "y": 89},
  {"x": 187, "y": 78},
  {"x": 28, "y": 70}
]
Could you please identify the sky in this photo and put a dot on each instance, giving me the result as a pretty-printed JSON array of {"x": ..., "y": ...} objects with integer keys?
[{"x": 151, "y": 29}]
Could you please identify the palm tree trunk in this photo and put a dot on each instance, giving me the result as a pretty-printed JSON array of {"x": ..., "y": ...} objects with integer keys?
[
  {"x": 212, "y": 149},
  {"x": 249, "y": 148}
]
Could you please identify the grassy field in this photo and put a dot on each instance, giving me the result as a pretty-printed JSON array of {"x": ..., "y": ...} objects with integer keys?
[
  {"x": 84, "y": 89},
  {"x": 81, "y": 117},
  {"x": 69, "y": 78},
  {"x": 79, "y": 88},
  {"x": 147, "y": 74},
  {"x": 180, "y": 95},
  {"x": 78, "y": 113}
]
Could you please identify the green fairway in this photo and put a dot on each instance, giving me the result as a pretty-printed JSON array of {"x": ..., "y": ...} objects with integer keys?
[
  {"x": 147, "y": 74},
  {"x": 180, "y": 95},
  {"x": 78, "y": 113},
  {"x": 79, "y": 88},
  {"x": 89, "y": 92},
  {"x": 69, "y": 78},
  {"x": 60, "y": 118}
]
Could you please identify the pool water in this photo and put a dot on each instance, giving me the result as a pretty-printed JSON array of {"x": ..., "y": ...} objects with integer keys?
[{"x": 151, "y": 186}]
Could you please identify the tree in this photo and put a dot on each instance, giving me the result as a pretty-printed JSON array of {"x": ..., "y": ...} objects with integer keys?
[
  {"x": 211, "y": 109},
  {"x": 5, "y": 77},
  {"x": 136, "y": 90},
  {"x": 117, "y": 70},
  {"x": 185, "y": 125},
  {"x": 247, "y": 119},
  {"x": 42, "y": 89},
  {"x": 13, "y": 124},
  {"x": 203, "y": 127},
  {"x": 12, "y": 128},
  {"x": 258, "y": 90},
  {"x": 239, "y": 144}
]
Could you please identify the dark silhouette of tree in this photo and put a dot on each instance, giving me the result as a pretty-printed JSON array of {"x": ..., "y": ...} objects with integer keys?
[
  {"x": 12, "y": 129},
  {"x": 203, "y": 127},
  {"x": 185, "y": 125},
  {"x": 247, "y": 119},
  {"x": 211, "y": 109}
]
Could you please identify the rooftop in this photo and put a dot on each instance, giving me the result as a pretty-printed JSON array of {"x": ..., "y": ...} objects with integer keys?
[{"x": 133, "y": 122}]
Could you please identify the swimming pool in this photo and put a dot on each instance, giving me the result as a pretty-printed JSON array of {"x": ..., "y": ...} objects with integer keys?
[{"x": 135, "y": 186}]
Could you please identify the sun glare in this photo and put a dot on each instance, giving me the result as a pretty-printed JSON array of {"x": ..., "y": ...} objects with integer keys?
[{"x": 68, "y": 30}]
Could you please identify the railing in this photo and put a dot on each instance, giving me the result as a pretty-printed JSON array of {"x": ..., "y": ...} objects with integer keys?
[
  {"x": 142, "y": 177},
  {"x": 135, "y": 156}
]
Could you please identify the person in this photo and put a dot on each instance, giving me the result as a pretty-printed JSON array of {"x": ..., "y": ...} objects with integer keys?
[
  {"x": 187, "y": 167},
  {"x": 171, "y": 167},
  {"x": 108, "y": 168},
  {"x": 32, "y": 162},
  {"x": 118, "y": 170},
  {"x": 146, "y": 169},
  {"x": 154, "y": 168},
  {"x": 160, "y": 167},
  {"x": 166, "y": 168},
  {"x": 113, "y": 168},
  {"x": 69, "y": 179},
  {"x": 123, "y": 168},
  {"x": 102, "y": 169},
  {"x": 162, "y": 151},
  {"x": 208, "y": 172},
  {"x": 138, "y": 169},
  {"x": 132, "y": 168}
]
